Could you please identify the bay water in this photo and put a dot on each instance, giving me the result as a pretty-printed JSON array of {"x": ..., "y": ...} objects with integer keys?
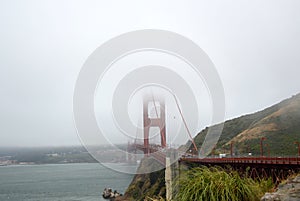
[{"x": 61, "y": 182}]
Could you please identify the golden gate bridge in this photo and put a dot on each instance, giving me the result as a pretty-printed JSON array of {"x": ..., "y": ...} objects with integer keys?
[{"x": 277, "y": 168}]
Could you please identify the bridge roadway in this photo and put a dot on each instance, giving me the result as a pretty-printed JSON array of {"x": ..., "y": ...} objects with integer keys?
[
  {"x": 261, "y": 165},
  {"x": 291, "y": 161},
  {"x": 154, "y": 151}
]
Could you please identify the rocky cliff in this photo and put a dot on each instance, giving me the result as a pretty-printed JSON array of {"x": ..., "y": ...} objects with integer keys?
[{"x": 145, "y": 186}]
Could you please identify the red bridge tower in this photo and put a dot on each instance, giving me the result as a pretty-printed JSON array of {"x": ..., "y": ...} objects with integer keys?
[{"x": 149, "y": 122}]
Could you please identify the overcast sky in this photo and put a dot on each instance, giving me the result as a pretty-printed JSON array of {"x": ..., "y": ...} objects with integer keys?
[{"x": 255, "y": 46}]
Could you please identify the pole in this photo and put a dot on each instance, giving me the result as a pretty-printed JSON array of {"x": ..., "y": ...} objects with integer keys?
[
  {"x": 231, "y": 148},
  {"x": 268, "y": 149},
  {"x": 261, "y": 146}
]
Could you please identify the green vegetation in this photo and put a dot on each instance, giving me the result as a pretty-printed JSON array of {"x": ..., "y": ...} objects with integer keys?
[
  {"x": 215, "y": 184},
  {"x": 279, "y": 124},
  {"x": 148, "y": 185}
]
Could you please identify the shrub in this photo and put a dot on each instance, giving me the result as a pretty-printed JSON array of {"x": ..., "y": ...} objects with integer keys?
[{"x": 215, "y": 184}]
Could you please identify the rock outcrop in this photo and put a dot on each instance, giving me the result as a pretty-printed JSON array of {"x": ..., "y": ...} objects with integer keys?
[{"x": 289, "y": 191}]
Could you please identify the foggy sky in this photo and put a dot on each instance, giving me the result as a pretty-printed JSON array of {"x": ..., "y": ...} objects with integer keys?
[{"x": 254, "y": 45}]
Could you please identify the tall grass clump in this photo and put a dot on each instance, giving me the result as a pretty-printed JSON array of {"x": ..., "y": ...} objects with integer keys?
[{"x": 216, "y": 184}]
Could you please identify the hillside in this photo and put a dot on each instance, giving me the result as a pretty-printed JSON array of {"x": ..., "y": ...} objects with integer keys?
[
  {"x": 279, "y": 124},
  {"x": 148, "y": 185}
]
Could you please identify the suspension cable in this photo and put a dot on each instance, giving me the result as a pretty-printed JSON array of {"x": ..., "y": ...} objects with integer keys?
[{"x": 184, "y": 122}]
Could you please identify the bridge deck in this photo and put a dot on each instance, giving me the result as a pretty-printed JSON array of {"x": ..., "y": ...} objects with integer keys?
[
  {"x": 246, "y": 160},
  {"x": 280, "y": 161}
]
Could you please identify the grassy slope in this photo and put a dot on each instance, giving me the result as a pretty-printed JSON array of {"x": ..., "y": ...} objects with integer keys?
[{"x": 280, "y": 124}]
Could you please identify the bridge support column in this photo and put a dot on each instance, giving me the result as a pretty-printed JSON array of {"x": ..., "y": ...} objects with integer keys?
[
  {"x": 171, "y": 173},
  {"x": 168, "y": 179}
]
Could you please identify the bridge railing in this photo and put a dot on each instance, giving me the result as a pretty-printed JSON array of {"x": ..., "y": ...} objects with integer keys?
[
  {"x": 158, "y": 152},
  {"x": 256, "y": 160}
]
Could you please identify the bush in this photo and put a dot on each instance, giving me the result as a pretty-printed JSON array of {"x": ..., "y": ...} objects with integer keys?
[{"x": 216, "y": 184}]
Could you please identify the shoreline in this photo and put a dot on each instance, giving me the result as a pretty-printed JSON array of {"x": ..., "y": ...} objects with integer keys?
[{"x": 69, "y": 163}]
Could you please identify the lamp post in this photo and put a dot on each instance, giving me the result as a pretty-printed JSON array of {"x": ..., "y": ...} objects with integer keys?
[
  {"x": 298, "y": 143},
  {"x": 261, "y": 146}
]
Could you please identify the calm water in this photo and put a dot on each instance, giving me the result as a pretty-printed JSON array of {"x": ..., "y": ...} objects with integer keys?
[{"x": 67, "y": 182}]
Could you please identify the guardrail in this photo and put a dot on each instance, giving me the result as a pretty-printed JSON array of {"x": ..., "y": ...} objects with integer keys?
[{"x": 254, "y": 160}]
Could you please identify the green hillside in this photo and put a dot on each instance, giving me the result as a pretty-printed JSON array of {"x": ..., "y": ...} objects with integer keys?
[{"x": 279, "y": 124}]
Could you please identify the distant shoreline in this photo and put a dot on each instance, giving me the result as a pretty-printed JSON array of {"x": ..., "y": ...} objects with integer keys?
[
  {"x": 27, "y": 164},
  {"x": 61, "y": 155}
]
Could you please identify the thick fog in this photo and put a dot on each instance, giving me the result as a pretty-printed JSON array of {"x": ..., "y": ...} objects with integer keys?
[{"x": 254, "y": 46}]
